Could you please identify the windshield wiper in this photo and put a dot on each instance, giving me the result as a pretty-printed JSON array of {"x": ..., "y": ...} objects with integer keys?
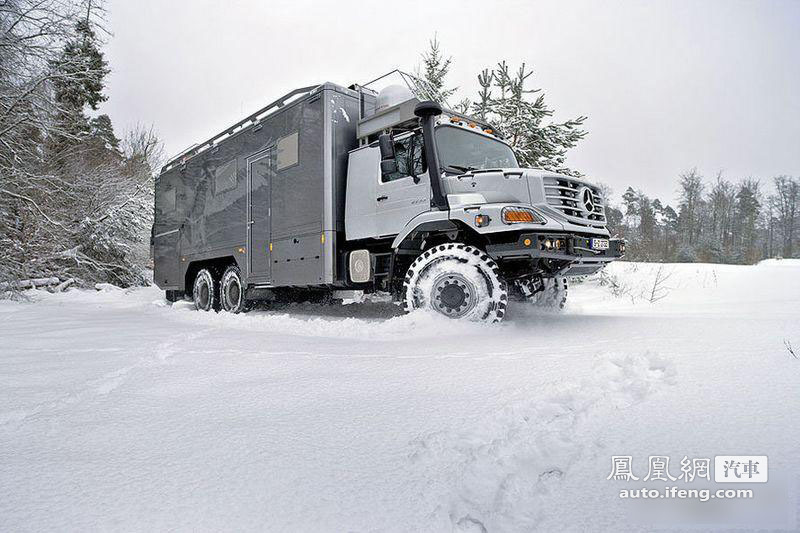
[{"x": 460, "y": 168}]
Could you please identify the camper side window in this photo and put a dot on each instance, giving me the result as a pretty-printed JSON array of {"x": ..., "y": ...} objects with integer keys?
[
  {"x": 287, "y": 151},
  {"x": 409, "y": 156},
  {"x": 225, "y": 177}
]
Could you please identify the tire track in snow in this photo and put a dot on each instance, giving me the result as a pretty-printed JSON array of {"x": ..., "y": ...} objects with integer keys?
[
  {"x": 101, "y": 386},
  {"x": 493, "y": 476}
]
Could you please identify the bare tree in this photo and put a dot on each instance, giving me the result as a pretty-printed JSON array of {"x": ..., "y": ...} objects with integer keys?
[
  {"x": 659, "y": 288},
  {"x": 789, "y": 348},
  {"x": 691, "y": 197},
  {"x": 787, "y": 195},
  {"x": 721, "y": 201}
]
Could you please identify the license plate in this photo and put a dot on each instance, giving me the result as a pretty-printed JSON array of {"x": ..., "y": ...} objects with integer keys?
[{"x": 599, "y": 244}]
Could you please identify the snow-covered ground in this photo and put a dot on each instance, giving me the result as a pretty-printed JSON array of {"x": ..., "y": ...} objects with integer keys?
[{"x": 118, "y": 411}]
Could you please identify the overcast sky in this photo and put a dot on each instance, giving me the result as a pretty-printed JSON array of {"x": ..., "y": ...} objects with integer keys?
[{"x": 666, "y": 85}]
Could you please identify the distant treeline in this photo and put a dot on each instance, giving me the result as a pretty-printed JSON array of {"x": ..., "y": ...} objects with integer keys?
[{"x": 715, "y": 221}]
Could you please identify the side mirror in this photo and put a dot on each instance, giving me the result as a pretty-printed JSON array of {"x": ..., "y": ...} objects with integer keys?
[
  {"x": 386, "y": 144},
  {"x": 388, "y": 161},
  {"x": 388, "y": 166}
]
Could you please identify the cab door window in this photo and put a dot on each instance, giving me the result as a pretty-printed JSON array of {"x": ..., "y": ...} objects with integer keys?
[{"x": 410, "y": 158}]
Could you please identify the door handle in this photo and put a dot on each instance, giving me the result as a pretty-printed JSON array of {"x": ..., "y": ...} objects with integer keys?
[{"x": 382, "y": 198}]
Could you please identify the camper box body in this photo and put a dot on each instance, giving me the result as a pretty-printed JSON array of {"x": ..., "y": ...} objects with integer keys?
[{"x": 268, "y": 193}]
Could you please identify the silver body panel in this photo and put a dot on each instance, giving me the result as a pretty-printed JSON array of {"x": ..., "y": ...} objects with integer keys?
[
  {"x": 296, "y": 210},
  {"x": 483, "y": 192},
  {"x": 517, "y": 186}
]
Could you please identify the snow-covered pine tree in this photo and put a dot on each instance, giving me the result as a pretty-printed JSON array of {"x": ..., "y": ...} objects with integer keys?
[
  {"x": 518, "y": 113},
  {"x": 482, "y": 107},
  {"x": 434, "y": 69},
  {"x": 748, "y": 206},
  {"x": 79, "y": 82},
  {"x": 522, "y": 116},
  {"x": 667, "y": 221}
]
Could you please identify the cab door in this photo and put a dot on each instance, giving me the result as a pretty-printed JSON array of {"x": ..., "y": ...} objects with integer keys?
[{"x": 401, "y": 196}]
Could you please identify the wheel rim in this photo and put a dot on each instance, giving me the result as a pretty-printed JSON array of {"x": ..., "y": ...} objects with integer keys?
[
  {"x": 203, "y": 296},
  {"x": 234, "y": 293},
  {"x": 454, "y": 295}
]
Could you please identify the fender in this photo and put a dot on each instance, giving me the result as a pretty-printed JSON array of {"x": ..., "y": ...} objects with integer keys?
[
  {"x": 436, "y": 219},
  {"x": 464, "y": 216}
]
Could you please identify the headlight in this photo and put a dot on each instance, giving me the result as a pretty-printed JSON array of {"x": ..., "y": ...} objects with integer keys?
[{"x": 521, "y": 215}]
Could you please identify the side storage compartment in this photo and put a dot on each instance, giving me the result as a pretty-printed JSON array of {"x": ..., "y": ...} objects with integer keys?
[{"x": 298, "y": 260}]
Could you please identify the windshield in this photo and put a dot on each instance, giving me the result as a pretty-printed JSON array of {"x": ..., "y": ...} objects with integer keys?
[{"x": 464, "y": 150}]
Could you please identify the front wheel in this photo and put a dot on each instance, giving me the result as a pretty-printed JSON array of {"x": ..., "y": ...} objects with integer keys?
[{"x": 457, "y": 281}]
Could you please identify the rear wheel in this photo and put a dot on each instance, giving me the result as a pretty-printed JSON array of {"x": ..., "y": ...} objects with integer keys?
[
  {"x": 232, "y": 290},
  {"x": 205, "y": 291},
  {"x": 457, "y": 281}
]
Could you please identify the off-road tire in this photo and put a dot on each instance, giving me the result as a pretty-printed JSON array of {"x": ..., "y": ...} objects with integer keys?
[
  {"x": 457, "y": 281},
  {"x": 232, "y": 291},
  {"x": 553, "y": 295},
  {"x": 205, "y": 291}
]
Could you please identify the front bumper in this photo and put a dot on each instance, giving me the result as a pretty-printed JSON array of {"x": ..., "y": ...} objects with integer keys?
[{"x": 573, "y": 252}]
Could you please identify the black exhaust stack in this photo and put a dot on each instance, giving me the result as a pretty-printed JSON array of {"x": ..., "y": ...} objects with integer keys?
[{"x": 427, "y": 111}]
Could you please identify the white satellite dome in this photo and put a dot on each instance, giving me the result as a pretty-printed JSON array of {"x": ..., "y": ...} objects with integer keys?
[{"x": 392, "y": 95}]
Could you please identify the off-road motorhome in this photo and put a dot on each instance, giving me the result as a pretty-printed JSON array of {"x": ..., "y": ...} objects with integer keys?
[{"x": 332, "y": 188}]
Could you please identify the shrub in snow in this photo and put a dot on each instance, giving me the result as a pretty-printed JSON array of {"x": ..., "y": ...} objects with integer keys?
[{"x": 687, "y": 255}]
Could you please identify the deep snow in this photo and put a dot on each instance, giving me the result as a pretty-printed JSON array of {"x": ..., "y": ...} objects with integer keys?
[{"x": 118, "y": 411}]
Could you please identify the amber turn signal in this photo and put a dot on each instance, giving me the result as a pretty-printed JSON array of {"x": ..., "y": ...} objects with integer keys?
[
  {"x": 520, "y": 215},
  {"x": 482, "y": 220}
]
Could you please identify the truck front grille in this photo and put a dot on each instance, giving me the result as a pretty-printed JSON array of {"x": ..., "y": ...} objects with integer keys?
[{"x": 580, "y": 202}]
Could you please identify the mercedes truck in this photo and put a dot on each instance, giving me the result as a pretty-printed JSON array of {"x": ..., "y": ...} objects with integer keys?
[{"x": 333, "y": 188}]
